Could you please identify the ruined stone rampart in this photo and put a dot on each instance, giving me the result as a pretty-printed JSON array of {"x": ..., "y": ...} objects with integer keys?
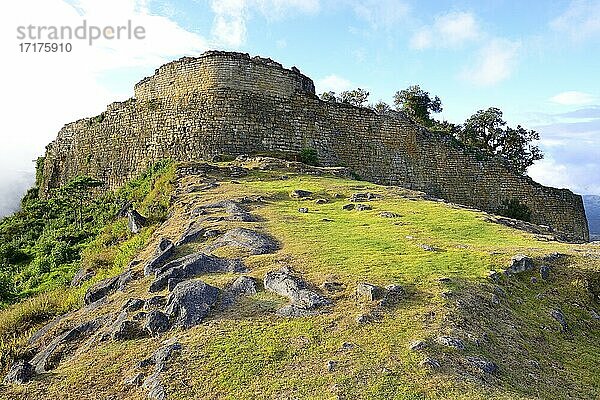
[{"x": 229, "y": 103}]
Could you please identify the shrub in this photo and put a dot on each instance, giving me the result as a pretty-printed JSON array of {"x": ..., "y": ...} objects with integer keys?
[
  {"x": 513, "y": 208},
  {"x": 309, "y": 156}
]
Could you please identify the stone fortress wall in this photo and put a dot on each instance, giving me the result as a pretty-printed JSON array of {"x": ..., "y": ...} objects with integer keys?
[{"x": 229, "y": 103}]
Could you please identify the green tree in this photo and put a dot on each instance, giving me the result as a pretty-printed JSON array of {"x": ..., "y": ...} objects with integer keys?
[
  {"x": 486, "y": 130},
  {"x": 329, "y": 97},
  {"x": 357, "y": 97},
  {"x": 381, "y": 108},
  {"x": 418, "y": 104}
]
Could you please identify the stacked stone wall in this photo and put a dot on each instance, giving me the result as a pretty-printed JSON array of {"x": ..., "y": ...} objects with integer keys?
[{"x": 229, "y": 103}]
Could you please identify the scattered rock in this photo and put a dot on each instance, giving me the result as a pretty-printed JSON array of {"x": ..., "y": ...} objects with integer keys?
[
  {"x": 165, "y": 250},
  {"x": 64, "y": 344},
  {"x": 155, "y": 302},
  {"x": 484, "y": 365},
  {"x": 331, "y": 365},
  {"x": 303, "y": 210},
  {"x": 156, "y": 322},
  {"x": 348, "y": 207},
  {"x": 134, "y": 380},
  {"x": 418, "y": 345},
  {"x": 132, "y": 305},
  {"x": 333, "y": 286},
  {"x": 210, "y": 233},
  {"x": 190, "y": 302},
  {"x": 444, "y": 280},
  {"x": 135, "y": 221},
  {"x": 347, "y": 346},
  {"x": 300, "y": 194},
  {"x": 520, "y": 263},
  {"x": 560, "y": 318},
  {"x": 363, "y": 319},
  {"x": 431, "y": 363},
  {"x": 255, "y": 242},
  {"x": 363, "y": 207},
  {"x": 156, "y": 390},
  {"x": 427, "y": 247},
  {"x": 554, "y": 257},
  {"x": 244, "y": 286},
  {"x": 453, "y": 342},
  {"x": 495, "y": 299},
  {"x": 388, "y": 214},
  {"x": 126, "y": 330},
  {"x": 304, "y": 300},
  {"x": 101, "y": 290},
  {"x": 191, "y": 234},
  {"x": 20, "y": 372},
  {"x": 321, "y": 201},
  {"x": 494, "y": 276},
  {"x": 81, "y": 276},
  {"x": 544, "y": 272},
  {"x": 190, "y": 266},
  {"x": 369, "y": 292},
  {"x": 533, "y": 279},
  {"x": 594, "y": 315},
  {"x": 358, "y": 197}
]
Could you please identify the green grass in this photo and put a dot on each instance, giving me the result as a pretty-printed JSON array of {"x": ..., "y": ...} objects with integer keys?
[{"x": 247, "y": 352}]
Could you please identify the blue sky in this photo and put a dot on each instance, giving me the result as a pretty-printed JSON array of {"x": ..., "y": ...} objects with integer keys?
[{"x": 536, "y": 60}]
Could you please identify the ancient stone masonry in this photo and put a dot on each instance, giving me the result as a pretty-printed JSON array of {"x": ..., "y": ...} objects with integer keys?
[{"x": 229, "y": 103}]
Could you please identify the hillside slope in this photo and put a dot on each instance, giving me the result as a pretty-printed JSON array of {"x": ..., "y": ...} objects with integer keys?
[
  {"x": 391, "y": 298},
  {"x": 592, "y": 211}
]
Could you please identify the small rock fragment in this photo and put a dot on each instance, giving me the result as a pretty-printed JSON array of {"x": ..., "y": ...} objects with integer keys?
[
  {"x": 303, "y": 210},
  {"x": 429, "y": 362},
  {"x": 135, "y": 221},
  {"x": 484, "y": 365},
  {"x": 134, "y": 380},
  {"x": 453, "y": 342},
  {"x": 20, "y": 372},
  {"x": 369, "y": 292},
  {"x": 520, "y": 263},
  {"x": 300, "y": 194},
  {"x": 560, "y": 318},
  {"x": 363, "y": 207},
  {"x": 388, "y": 214},
  {"x": 244, "y": 286},
  {"x": 418, "y": 345},
  {"x": 348, "y": 207},
  {"x": 156, "y": 322},
  {"x": 544, "y": 272},
  {"x": 331, "y": 365}
]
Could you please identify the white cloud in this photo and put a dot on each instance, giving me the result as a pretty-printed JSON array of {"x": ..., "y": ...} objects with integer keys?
[
  {"x": 494, "y": 62},
  {"x": 43, "y": 91},
  {"x": 382, "y": 14},
  {"x": 580, "y": 21},
  {"x": 572, "y": 98},
  {"x": 448, "y": 30},
  {"x": 333, "y": 83},
  {"x": 231, "y": 16}
]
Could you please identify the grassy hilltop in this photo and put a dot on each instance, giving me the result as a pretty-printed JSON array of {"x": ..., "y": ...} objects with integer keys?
[{"x": 356, "y": 348}]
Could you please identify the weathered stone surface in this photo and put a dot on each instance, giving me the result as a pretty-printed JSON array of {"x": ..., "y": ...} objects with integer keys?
[
  {"x": 429, "y": 362},
  {"x": 182, "y": 124},
  {"x": 134, "y": 380},
  {"x": 101, "y": 289},
  {"x": 520, "y": 263},
  {"x": 388, "y": 214},
  {"x": 132, "y": 305},
  {"x": 303, "y": 210},
  {"x": 155, "y": 302},
  {"x": 244, "y": 286},
  {"x": 190, "y": 302},
  {"x": 300, "y": 194},
  {"x": 484, "y": 365},
  {"x": 545, "y": 272},
  {"x": 20, "y": 372},
  {"x": 153, "y": 383},
  {"x": 63, "y": 345},
  {"x": 126, "y": 330},
  {"x": 254, "y": 242},
  {"x": 369, "y": 292},
  {"x": 304, "y": 300},
  {"x": 81, "y": 276},
  {"x": 333, "y": 286},
  {"x": 558, "y": 315},
  {"x": 165, "y": 250},
  {"x": 450, "y": 341},
  {"x": 418, "y": 345},
  {"x": 363, "y": 207},
  {"x": 359, "y": 197},
  {"x": 135, "y": 221},
  {"x": 348, "y": 207},
  {"x": 156, "y": 322},
  {"x": 190, "y": 266}
]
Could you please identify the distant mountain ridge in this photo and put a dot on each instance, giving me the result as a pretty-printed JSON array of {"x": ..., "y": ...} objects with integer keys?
[{"x": 592, "y": 211}]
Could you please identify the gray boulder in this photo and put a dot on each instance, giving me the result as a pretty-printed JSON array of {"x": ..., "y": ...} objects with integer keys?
[
  {"x": 369, "y": 292},
  {"x": 132, "y": 305},
  {"x": 135, "y": 221},
  {"x": 482, "y": 364},
  {"x": 453, "y": 342},
  {"x": 300, "y": 194},
  {"x": 190, "y": 302},
  {"x": 190, "y": 266},
  {"x": 156, "y": 322},
  {"x": 304, "y": 300},
  {"x": 544, "y": 272},
  {"x": 81, "y": 276},
  {"x": 20, "y": 372},
  {"x": 244, "y": 286},
  {"x": 255, "y": 242},
  {"x": 165, "y": 250},
  {"x": 520, "y": 263},
  {"x": 558, "y": 315},
  {"x": 358, "y": 197},
  {"x": 101, "y": 290}
]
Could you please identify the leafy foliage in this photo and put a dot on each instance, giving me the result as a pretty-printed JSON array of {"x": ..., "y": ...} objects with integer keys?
[
  {"x": 418, "y": 104},
  {"x": 486, "y": 130},
  {"x": 357, "y": 97},
  {"x": 41, "y": 244},
  {"x": 513, "y": 208},
  {"x": 309, "y": 156}
]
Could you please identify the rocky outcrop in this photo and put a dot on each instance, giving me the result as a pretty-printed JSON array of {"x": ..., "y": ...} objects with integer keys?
[
  {"x": 190, "y": 302},
  {"x": 304, "y": 301},
  {"x": 254, "y": 242}
]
